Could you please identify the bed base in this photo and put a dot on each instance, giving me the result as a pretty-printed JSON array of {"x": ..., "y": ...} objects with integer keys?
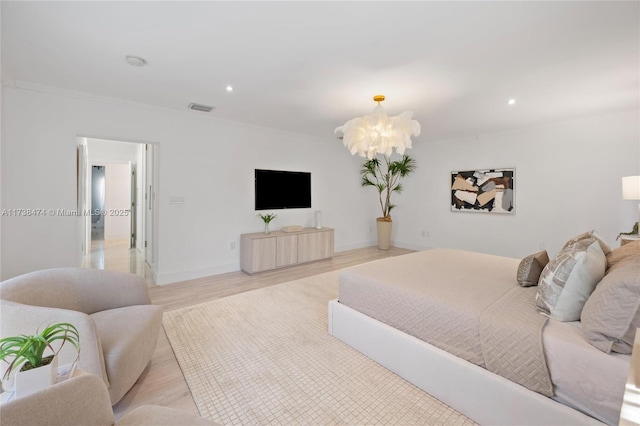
[{"x": 483, "y": 396}]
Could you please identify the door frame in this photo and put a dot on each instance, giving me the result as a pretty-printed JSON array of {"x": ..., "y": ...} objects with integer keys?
[{"x": 83, "y": 200}]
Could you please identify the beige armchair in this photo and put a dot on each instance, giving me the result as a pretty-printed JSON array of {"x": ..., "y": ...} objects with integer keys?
[
  {"x": 112, "y": 311},
  {"x": 84, "y": 400}
]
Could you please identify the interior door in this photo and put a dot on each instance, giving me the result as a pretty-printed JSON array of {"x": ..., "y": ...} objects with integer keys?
[
  {"x": 117, "y": 202},
  {"x": 83, "y": 191},
  {"x": 133, "y": 209},
  {"x": 149, "y": 192}
]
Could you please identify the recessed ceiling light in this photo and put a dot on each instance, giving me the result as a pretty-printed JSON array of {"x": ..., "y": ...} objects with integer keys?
[
  {"x": 135, "y": 61},
  {"x": 511, "y": 101},
  {"x": 229, "y": 88}
]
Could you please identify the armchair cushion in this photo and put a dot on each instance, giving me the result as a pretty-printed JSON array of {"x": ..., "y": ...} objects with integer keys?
[
  {"x": 77, "y": 289},
  {"x": 127, "y": 350}
]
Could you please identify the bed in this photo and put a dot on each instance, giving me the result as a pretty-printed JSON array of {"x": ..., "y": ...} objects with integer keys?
[{"x": 458, "y": 325}]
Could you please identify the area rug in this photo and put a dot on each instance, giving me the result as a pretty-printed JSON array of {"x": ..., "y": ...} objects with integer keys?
[{"x": 265, "y": 357}]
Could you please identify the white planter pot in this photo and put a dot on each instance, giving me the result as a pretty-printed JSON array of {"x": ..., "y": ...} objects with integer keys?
[
  {"x": 384, "y": 234},
  {"x": 30, "y": 381}
]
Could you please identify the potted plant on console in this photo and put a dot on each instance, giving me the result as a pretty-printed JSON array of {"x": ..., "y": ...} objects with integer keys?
[
  {"x": 377, "y": 135},
  {"x": 267, "y": 218},
  {"x": 25, "y": 354}
]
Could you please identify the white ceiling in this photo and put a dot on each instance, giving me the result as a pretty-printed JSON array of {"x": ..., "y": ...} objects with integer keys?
[{"x": 308, "y": 67}]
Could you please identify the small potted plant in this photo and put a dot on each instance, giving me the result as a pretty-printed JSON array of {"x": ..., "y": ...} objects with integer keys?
[
  {"x": 267, "y": 218},
  {"x": 25, "y": 354}
]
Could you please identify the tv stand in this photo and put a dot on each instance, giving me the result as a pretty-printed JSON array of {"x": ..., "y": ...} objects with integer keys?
[{"x": 263, "y": 252}]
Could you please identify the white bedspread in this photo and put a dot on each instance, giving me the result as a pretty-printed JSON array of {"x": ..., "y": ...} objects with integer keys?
[{"x": 468, "y": 304}]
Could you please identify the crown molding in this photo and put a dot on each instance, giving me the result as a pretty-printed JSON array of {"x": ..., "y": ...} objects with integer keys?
[{"x": 91, "y": 97}]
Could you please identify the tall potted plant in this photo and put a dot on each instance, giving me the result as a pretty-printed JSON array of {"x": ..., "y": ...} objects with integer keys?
[
  {"x": 385, "y": 176},
  {"x": 25, "y": 354}
]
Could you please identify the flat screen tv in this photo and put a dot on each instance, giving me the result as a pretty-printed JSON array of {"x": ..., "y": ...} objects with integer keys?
[{"x": 277, "y": 189}]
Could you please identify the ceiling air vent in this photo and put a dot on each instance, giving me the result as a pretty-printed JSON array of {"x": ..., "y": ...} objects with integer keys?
[{"x": 200, "y": 107}]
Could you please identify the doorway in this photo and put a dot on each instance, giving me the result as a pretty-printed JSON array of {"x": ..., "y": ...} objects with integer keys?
[{"x": 116, "y": 189}]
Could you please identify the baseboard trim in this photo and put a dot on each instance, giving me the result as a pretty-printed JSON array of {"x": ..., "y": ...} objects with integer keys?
[
  {"x": 355, "y": 246},
  {"x": 410, "y": 246}
]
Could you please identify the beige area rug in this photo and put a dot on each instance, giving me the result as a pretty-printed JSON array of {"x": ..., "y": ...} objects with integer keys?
[{"x": 265, "y": 357}]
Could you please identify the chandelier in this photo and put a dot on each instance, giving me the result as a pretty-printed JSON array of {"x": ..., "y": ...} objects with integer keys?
[{"x": 378, "y": 133}]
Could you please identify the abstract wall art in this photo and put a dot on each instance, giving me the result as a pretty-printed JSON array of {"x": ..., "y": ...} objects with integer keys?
[{"x": 488, "y": 191}]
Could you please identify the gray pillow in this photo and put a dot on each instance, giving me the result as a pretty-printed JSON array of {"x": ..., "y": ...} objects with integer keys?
[
  {"x": 531, "y": 267},
  {"x": 569, "y": 279},
  {"x": 629, "y": 249},
  {"x": 612, "y": 313}
]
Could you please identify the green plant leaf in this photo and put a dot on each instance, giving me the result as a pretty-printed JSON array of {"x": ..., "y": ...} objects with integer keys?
[
  {"x": 16, "y": 350},
  {"x": 385, "y": 176},
  {"x": 267, "y": 217},
  {"x": 366, "y": 181}
]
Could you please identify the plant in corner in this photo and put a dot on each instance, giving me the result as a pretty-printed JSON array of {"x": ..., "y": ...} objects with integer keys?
[
  {"x": 267, "y": 218},
  {"x": 26, "y": 352},
  {"x": 385, "y": 176},
  {"x": 634, "y": 231}
]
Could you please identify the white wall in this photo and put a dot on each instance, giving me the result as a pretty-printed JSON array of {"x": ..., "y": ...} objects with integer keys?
[
  {"x": 209, "y": 162},
  {"x": 568, "y": 181},
  {"x": 1, "y": 151},
  {"x": 103, "y": 151}
]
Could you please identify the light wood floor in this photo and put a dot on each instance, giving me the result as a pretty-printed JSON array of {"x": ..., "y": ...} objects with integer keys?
[
  {"x": 115, "y": 255},
  {"x": 162, "y": 383}
]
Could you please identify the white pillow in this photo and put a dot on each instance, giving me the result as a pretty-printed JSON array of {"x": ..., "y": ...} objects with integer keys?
[{"x": 569, "y": 279}]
